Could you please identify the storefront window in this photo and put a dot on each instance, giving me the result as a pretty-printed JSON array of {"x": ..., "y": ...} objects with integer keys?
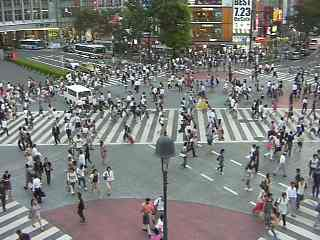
[
  {"x": 8, "y": 16},
  {"x": 18, "y": 15},
  {"x": 17, "y": 3},
  {"x": 207, "y": 15},
  {"x": 207, "y": 32},
  {"x": 27, "y": 14},
  {"x": 208, "y": 2}
]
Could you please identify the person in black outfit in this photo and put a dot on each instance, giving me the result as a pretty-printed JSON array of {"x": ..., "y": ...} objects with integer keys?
[
  {"x": 47, "y": 166},
  {"x": 81, "y": 207},
  {"x": 220, "y": 160},
  {"x": 87, "y": 154},
  {"x": 3, "y": 195},
  {"x": 56, "y": 134}
]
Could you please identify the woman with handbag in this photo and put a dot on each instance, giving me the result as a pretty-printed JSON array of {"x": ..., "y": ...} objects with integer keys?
[
  {"x": 35, "y": 213},
  {"x": 108, "y": 177}
]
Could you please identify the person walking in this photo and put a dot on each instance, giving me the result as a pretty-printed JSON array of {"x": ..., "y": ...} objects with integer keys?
[
  {"x": 94, "y": 177},
  {"x": 147, "y": 211},
  {"x": 81, "y": 174},
  {"x": 47, "y": 166},
  {"x": 22, "y": 236},
  {"x": 249, "y": 170},
  {"x": 35, "y": 213},
  {"x": 292, "y": 196},
  {"x": 301, "y": 187},
  {"x": 220, "y": 160},
  {"x": 87, "y": 154},
  {"x": 281, "y": 165},
  {"x": 6, "y": 178},
  {"x": 268, "y": 210},
  {"x": 3, "y": 196},
  {"x": 108, "y": 176},
  {"x": 283, "y": 207},
  {"x": 81, "y": 208},
  {"x": 103, "y": 152},
  {"x": 56, "y": 134},
  {"x": 72, "y": 179}
]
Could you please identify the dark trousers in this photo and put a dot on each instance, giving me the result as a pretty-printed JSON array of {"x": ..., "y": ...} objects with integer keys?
[
  {"x": 81, "y": 215},
  {"x": 48, "y": 174},
  {"x": 315, "y": 190},
  {"x": 284, "y": 219},
  {"x": 56, "y": 139},
  {"x": 3, "y": 201},
  {"x": 220, "y": 168}
]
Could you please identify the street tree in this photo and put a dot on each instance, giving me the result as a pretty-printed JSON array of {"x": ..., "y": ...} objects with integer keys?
[
  {"x": 174, "y": 19},
  {"x": 307, "y": 17}
]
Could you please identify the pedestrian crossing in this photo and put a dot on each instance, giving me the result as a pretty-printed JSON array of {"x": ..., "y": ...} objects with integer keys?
[
  {"x": 300, "y": 227},
  {"x": 284, "y": 76},
  {"x": 242, "y": 128},
  {"x": 17, "y": 217}
]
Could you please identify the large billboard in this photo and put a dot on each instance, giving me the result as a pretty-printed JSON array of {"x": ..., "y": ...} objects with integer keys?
[{"x": 242, "y": 12}]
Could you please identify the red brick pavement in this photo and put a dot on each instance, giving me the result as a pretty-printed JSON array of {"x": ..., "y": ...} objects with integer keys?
[{"x": 120, "y": 219}]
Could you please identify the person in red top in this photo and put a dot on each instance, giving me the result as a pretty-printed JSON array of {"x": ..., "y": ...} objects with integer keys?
[{"x": 147, "y": 211}]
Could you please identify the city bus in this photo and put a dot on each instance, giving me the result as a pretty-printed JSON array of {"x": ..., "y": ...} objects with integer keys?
[
  {"x": 33, "y": 44},
  {"x": 91, "y": 50},
  {"x": 108, "y": 45}
]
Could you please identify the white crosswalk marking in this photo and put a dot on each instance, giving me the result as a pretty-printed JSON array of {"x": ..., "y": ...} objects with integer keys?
[
  {"x": 147, "y": 130},
  {"x": 301, "y": 226},
  {"x": 17, "y": 217}
]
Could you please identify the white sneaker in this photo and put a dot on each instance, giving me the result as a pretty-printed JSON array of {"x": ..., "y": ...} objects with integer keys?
[{"x": 246, "y": 189}]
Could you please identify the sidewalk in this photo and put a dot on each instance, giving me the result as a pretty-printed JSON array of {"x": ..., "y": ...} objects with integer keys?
[{"x": 121, "y": 219}]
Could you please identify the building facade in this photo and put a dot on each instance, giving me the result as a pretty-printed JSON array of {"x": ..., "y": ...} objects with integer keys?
[{"x": 211, "y": 21}]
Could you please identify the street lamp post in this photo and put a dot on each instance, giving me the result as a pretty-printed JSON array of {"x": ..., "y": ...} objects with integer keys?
[{"x": 165, "y": 149}]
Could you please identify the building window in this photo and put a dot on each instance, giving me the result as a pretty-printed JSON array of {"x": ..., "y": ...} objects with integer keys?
[
  {"x": 207, "y": 15},
  {"x": 18, "y": 15},
  {"x": 36, "y": 13},
  {"x": 207, "y": 32},
  {"x": 27, "y": 14},
  {"x": 8, "y": 16},
  {"x": 7, "y": 4},
  {"x": 17, "y": 3}
]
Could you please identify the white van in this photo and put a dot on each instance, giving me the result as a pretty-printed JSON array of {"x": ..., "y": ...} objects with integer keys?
[{"x": 78, "y": 94}]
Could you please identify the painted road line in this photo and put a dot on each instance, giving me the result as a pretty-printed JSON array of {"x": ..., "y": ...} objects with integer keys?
[
  {"x": 206, "y": 177},
  {"x": 170, "y": 123},
  {"x": 246, "y": 131},
  {"x": 152, "y": 146},
  {"x": 51, "y": 64},
  {"x": 261, "y": 174},
  {"x": 283, "y": 185},
  {"x": 234, "y": 127},
  {"x": 28, "y": 229},
  {"x": 310, "y": 202},
  {"x": 46, "y": 234},
  {"x": 202, "y": 127},
  {"x": 136, "y": 129},
  {"x": 281, "y": 235},
  {"x": 230, "y": 190},
  {"x": 214, "y": 152},
  {"x": 114, "y": 129},
  {"x": 157, "y": 130},
  {"x": 64, "y": 237},
  {"x": 147, "y": 127},
  {"x": 252, "y": 203},
  {"x": 10, "y": 205},
  {"x": 13, "y": 225},
  {"x": 105, "y": 127},
  {"x": 302, "y": 220},
  {"x": 128, "y": 122},
  {"x": 13, "y": 214},
  {"x": 188, "y": 166},
  {"x": 261, "y": 238},
  {"x": 308, "y": 211},
  {"x": 226, "y": 134},
  {"x": 302, "y": 231},
  {"x": 235, "y": 162}
]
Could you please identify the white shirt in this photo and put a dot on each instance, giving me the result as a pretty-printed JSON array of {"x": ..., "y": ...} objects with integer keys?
[
  {"x": 108, "y": 176},
  {"x": 292, "y": 192},
  {"x": 82, "y": 160},
  {"x": 36, "y": 183},
  {"x": 282, "y": 159}
]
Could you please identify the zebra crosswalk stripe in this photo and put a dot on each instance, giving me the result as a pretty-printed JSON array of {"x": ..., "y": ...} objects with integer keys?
[
  {"x": 16, "y": 217},
  {"x": 147, "y": 130},
  {"x": 301, "y": 226}
]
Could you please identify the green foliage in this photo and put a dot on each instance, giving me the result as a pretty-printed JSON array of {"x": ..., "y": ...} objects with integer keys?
[
  {"x": 42, "y": 68},
  {"x": 136, "y": 19},
  {"x": 308, "y": 16},
  {"x": 174, "y": 19},
  {"x": 97, "y": 21}
]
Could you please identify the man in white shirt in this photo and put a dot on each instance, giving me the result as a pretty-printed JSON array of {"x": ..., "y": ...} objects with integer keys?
[{"x": 281, "y": 165}]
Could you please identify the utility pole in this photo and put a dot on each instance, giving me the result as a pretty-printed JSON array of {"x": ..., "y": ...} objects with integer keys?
[{"x": 252, "y": 23}]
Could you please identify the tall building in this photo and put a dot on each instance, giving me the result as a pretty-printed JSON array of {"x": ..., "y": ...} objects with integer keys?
[{"x": 211, "y": 21}]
